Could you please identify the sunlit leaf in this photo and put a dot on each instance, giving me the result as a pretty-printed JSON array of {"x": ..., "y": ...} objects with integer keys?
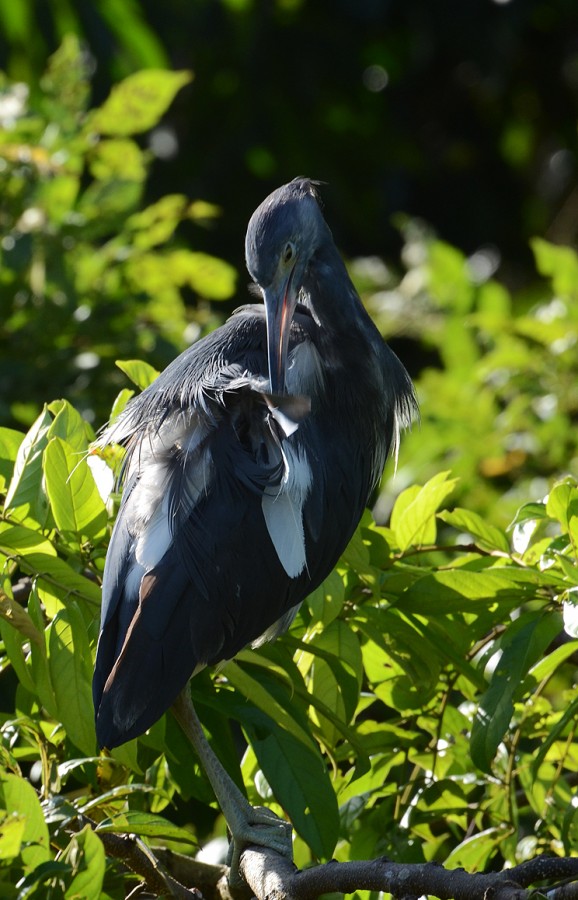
[
  {"x": 138, "y": 102},
  {"x": 118, "y": 159},
  {"x": 86, "y": 857},
  {"x": 139, "y": 372},
  {"x": 10, "y": 441},
  {"x": 413, "y": 516},
  {"x": 206, "y": 275},
  {"x": 26, "y": 490},
  {"x": 12, "y": 826},
  {"x": 76, "y": 503},
  {"x": 487, "y": 535},
  {"x": 69, "y": 425},
  {"x": 558, "y": 263},
  {"x": 156, "y": 223},
  {"x": 17, "y": 796},
  {"x": 143, "y": 823},
  {"x": 70, "y": 666}
]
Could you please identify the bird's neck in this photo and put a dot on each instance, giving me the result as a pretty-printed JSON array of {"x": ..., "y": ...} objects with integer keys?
[{"x": 333, "y": 300}]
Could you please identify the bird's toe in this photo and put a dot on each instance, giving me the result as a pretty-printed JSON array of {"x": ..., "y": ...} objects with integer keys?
[{"x": 262, "y": 829}]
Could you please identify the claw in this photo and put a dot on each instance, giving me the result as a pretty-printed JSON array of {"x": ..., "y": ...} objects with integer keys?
[{"x": 261, "y": 828}]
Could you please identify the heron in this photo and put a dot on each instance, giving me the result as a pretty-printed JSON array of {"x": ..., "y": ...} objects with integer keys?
[{"x": 249, "y": 462}]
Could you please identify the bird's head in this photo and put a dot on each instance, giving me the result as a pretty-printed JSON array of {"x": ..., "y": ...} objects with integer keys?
[{"x": 282, "y": 237}]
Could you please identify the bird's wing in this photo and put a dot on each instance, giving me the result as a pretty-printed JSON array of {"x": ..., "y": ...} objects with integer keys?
[{"x": 209, "y": 541}]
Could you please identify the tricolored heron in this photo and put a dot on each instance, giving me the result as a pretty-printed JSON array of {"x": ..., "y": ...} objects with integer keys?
[{"x": 249, "y": 462}]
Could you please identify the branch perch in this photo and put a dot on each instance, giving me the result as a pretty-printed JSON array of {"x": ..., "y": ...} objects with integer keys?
[{"x": 271, "y": 876}]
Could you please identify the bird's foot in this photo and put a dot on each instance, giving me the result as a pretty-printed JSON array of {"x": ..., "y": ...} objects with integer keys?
[{"x": 260, "y": 828}]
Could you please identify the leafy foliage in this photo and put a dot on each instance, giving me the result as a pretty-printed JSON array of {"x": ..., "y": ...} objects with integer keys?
[
  {"x": 422, "y": 705},
  {"x": 369, "y": 746},
  {"x": 499, "y": 399},
  {"x": 88, "y": 271}
]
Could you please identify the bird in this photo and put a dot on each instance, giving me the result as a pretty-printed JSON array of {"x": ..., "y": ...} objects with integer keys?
[{"x": 248, "y": 464}]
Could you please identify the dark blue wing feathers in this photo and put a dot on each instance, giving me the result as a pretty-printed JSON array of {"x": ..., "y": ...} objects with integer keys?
[{"x": 196, "y": 570}]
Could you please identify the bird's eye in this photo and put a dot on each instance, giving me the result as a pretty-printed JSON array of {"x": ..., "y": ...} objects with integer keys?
[{"x": 288, "y": 252}]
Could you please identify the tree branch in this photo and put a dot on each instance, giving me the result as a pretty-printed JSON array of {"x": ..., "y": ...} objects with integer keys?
[{"x": 273, "y": 877}]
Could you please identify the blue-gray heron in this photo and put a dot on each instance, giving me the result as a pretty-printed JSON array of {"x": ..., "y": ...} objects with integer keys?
[{"x": 249, "y": 462}]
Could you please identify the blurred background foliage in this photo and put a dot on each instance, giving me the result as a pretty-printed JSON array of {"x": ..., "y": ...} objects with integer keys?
[{"x": 463, "y": 114}]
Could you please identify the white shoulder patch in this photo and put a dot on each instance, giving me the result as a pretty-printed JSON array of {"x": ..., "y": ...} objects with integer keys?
[{"x": 283, "y": 511}]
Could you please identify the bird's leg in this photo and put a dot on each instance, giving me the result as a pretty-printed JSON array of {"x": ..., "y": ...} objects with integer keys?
[{"x": 249, "y": 825}]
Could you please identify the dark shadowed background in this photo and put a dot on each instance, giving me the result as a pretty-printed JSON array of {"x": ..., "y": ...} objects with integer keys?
[{"x": 461, "y": 113}]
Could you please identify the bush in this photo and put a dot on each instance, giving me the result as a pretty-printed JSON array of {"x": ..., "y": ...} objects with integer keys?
[{"x": 87, "y": 273}]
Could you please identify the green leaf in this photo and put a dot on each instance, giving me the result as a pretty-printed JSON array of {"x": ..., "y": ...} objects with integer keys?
[
  {"x": 85, "y": 854},
  {"x": 10, "y": 441},
  {"x": 146, "y": 824},
  {"x": 60, "y": 578},
  {"x": 76, "y": 503},
  {"x": 326, "y": 602},
  {"x": 37, "y": 557},
  {"x": 448, "y": 277},
  {"x": 156, "y": 223},
  {"x": 57, "y": 196},
  {"x": 120, "y": 402},
  {"x": 555, "y": 733},
  {"x": 101, "y": 202},
  {"x": 335, "y": 677},
  {"x": 562, "y": 502},
  {"x": 546, "y": 667},
  {"x": 558, "y": 263},
  {"x": 413, "y": 516},
  {"x": 260, "y": 696},
  {"x": 12, "y": 826},
  {"x": 69, "y": 425},
  {"x": 66, "y": 76},
  {"x": 139, "y": 372},
  {"x": 26, "y": 491},
  {"x": 290, "y": 674},
  {"x": 22, "y": 540},
  {"x": 70, "y": 665},
  {"x": 522, "y": 644},
  {"x": 15, "y": 614},
  {"x": 300, "y": 782},
  {"x": 118, "y": 159},
  {"x": 37, "y": 883},
  {"x": 15, "y": 647},
  {"x": 529, "y": 512},
  {"x": 486, "y": 535},
  {"x": 462, "y": 590},
  {"x": 42, "y": 684},
  {"x": 356, "y": 554},
  {"x": 17, "y": 796},
  {"x": 206, "y": 275},
  {"x": 390, "y": 656},
  {"x": 474, "y": 852},
  {"x": 138, "y": 102}
]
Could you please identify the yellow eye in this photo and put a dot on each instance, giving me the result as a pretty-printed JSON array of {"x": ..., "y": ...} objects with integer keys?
[{"x": 288, "y": 252}]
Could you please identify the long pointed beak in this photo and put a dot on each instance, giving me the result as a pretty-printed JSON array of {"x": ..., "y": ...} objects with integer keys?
[{"x": 280, "y": 302}]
